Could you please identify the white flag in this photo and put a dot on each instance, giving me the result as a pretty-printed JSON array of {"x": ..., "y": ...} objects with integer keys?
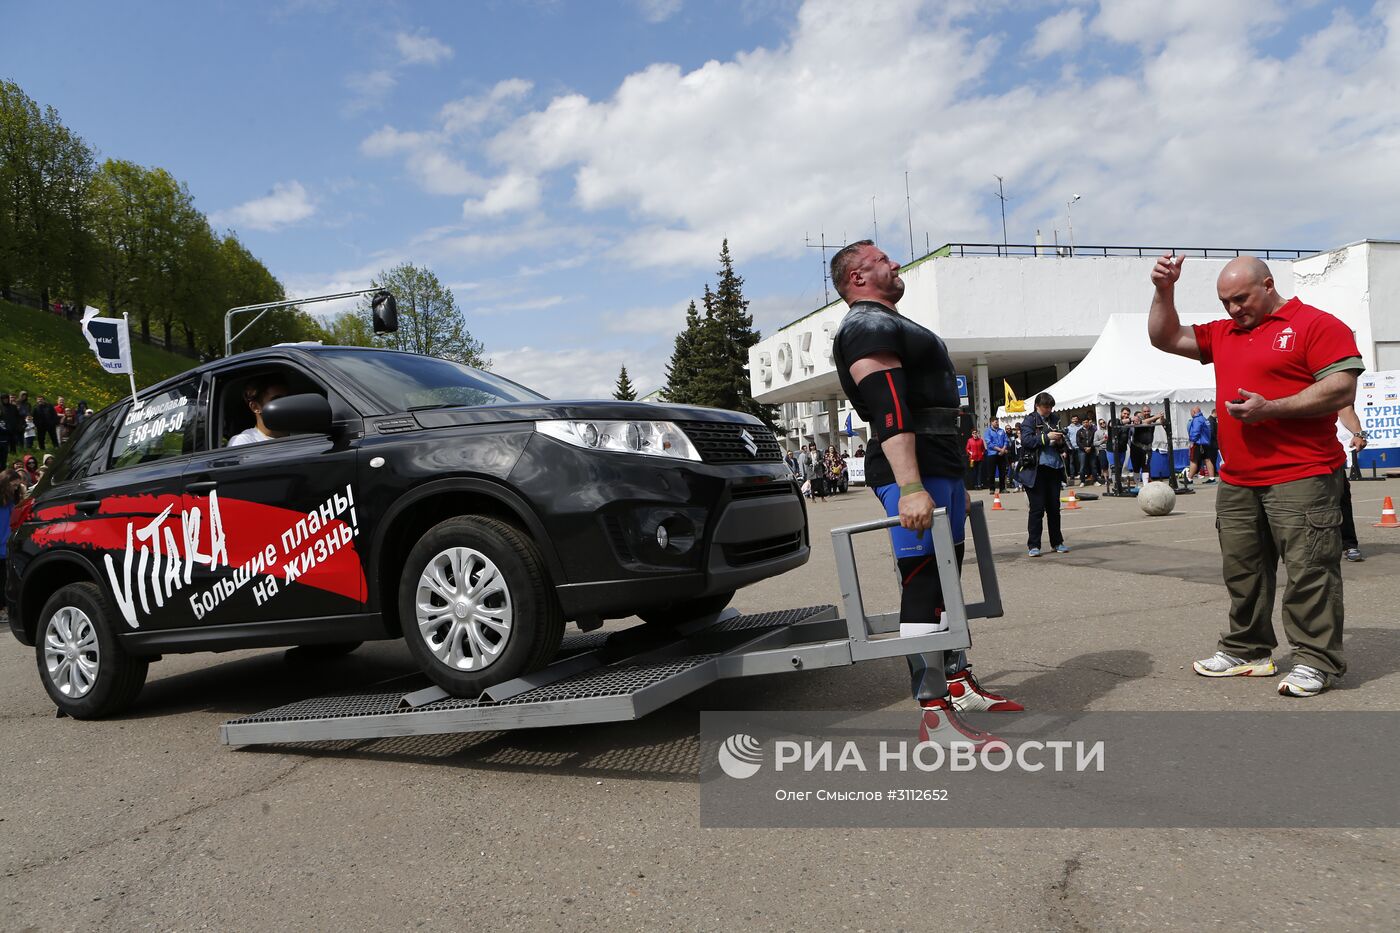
[{"x": 109, "y": 339}]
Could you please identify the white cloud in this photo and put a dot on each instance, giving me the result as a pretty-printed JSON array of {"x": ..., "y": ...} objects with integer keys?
[
  {"x": 421, "y": 49},
  {"x": 287, "y": 203},
  {"x": 575, "y": 373},
  {"x": 512, "y": 192},
  {"x": 432, "y": 157},
  {"x": 1063, "y": 32},
  {"x": 658, "y": 11},
  {"x": 369, "y": 89},
  {"x": 1209, "y": 133},
  {"x": 426, "y": 159},
  {"x": 468, "y": 112},
  {"x": 652, "y": 319},
  {"x": 517, "y": 305}
]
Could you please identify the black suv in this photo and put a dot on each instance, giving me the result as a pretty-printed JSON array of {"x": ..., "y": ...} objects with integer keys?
[{"x": 403, "y": 496}]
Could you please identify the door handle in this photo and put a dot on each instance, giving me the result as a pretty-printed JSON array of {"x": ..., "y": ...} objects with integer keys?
[
  {"x": 89, "y": 506},
  {"x": 202, "y": 486}
]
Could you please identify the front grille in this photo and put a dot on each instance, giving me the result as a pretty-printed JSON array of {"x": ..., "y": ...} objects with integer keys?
[
  {"x": 752, "y": 552},
  {"x": 720, "y": 442},
  {"x": 761, "y": 490}
]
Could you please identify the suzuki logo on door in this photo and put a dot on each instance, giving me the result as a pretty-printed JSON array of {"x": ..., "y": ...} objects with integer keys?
[{"x": 1284, "y": 341}]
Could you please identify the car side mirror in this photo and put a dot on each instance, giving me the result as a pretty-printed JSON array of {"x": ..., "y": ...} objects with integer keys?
[
  {"x": 298, "y": 414},
  {"x": 385, "y": 313}
]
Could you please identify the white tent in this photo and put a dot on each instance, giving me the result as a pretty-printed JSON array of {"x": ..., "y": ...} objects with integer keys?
[{"x": 1123, "y": 368}]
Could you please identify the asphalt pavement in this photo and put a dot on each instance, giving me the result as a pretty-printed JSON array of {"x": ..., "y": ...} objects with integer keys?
[{"x": 147, "y": 822}]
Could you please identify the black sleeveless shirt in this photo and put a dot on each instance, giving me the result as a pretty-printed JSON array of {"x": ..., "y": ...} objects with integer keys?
[{"x": 870, "y": 327}]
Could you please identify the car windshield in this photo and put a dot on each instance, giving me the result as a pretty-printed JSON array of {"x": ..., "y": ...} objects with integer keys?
[{"x": 408, "y": 381}]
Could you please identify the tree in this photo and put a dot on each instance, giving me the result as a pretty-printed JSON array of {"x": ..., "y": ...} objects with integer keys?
[
  {"x": 430, "y": 323},
  {"x": 709, "y": 365},
  {"x": 624, "y": 391},
  {"x": 735, "y": 335},
  {"x": 350, "y": 329},
  {"x": 45, "y": 169},
  {"x": 681, "y": 371}
]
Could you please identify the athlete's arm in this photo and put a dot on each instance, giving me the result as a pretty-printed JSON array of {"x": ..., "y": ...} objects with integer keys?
[
  {"x": 1348, "y": 417},
  {"x": 1323, "y": 397},
  {"x": 915, "y": 509},
  {"x": 1164, "y": 328}
]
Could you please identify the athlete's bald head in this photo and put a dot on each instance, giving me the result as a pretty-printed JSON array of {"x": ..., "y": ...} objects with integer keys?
[{"x": 1246, "y": 289}]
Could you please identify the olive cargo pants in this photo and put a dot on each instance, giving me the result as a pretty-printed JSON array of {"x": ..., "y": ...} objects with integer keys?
[{"x": 1301, "y": 522}]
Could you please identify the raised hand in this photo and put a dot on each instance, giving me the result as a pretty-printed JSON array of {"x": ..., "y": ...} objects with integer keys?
[{"x": 1167, "y": 271}]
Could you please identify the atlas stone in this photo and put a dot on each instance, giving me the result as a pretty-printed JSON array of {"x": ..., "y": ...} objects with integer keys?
[{"x": 1157, "y": 498}]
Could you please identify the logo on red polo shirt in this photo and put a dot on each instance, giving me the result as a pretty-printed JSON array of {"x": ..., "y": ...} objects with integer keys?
[{"x": 1284, "y": 341}]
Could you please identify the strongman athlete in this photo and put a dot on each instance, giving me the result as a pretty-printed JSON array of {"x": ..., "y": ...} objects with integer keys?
[{"x": 900, "y": 379}]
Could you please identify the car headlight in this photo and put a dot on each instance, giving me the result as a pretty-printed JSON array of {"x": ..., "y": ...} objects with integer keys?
[{"x": 652, "y": 438}]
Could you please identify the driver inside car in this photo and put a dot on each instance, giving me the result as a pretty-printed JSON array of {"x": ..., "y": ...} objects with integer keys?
[{"x": 257, "y": 393}]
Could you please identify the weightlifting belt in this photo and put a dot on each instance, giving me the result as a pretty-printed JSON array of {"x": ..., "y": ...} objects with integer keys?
[{"x": 934, "y": 421}]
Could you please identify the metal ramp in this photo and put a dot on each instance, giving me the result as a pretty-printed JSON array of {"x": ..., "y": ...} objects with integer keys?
[{"x": 615, "y": 676}]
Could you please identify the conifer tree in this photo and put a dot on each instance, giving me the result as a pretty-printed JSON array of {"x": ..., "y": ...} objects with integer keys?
[
  {"x": 624, "y": 392},
  {"x": 680, "y": 373}
]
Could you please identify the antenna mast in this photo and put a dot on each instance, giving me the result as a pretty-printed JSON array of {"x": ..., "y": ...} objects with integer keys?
[
  {"x": 1001, "y": 196},
  {"x": 826, "y": 278},
  {"x": 909, "y": 216}
]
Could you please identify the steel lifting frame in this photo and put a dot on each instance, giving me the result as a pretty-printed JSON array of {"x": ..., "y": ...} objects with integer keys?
[{"x": 615, "y": 676}]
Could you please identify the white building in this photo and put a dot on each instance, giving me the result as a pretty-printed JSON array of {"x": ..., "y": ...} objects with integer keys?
[{"x": 1029, "y": 315}]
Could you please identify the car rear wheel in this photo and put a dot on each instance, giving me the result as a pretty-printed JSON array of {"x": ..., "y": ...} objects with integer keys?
[
  {"x": 82, "y": 664},
  {"x": 679, "y": 613},
  {"x": 476, "y": 605}
]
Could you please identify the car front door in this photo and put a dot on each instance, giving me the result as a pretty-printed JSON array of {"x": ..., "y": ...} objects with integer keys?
[{"x": 283, "y": 519}]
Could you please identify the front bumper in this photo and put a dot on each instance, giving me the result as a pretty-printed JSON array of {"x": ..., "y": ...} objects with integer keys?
[{"x": 725, "y": 526}]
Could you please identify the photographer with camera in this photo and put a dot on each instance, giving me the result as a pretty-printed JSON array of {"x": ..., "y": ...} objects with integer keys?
[{"x": 1040, "y": 470}]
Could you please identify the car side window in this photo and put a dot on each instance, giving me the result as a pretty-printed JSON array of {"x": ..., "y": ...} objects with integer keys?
[
  {"x": 85, "y": 457},
  {"x": 162, "y": 426}
]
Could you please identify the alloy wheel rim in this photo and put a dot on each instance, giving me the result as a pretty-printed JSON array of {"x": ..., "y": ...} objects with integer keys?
[
  {"x": 464, "y": 609},
  {"x": 72, "y": 656}
]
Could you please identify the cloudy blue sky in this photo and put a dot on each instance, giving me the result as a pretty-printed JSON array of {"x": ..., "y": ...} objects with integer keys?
[{"x": 570, "y": 167}]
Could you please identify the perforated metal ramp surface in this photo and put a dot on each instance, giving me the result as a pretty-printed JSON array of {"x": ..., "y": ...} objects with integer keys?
[{"x": 625, "y": 689}]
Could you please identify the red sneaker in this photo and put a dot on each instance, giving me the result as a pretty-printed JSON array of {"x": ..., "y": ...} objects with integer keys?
[
  {"x": 942, "y": 725},
  {"x": 968, "y": 696}
]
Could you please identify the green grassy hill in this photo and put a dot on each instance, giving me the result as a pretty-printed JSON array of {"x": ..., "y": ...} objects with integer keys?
[{"x": 49, "y": 356}]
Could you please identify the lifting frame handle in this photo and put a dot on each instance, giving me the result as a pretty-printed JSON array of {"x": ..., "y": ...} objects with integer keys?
[{"x": 861, "y": 626}]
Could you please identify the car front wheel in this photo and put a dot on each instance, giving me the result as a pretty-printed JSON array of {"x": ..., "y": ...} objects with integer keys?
[
  {"x": 82, "y": 664},
  {"x": 476, "y": 605}
]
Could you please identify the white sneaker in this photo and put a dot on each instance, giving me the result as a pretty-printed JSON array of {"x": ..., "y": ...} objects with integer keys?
[
  {"x": 1304, "y": 681},
  {"x": 1221, "y": 664}
]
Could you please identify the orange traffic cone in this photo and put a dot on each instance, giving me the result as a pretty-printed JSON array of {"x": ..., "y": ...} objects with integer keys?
[
  {"x": 997, "y": 506},
  {"x": 1073, "y": 502},
  {"x": 1387, "y": 515}
]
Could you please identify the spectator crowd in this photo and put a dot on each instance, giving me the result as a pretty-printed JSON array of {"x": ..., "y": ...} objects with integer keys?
[{"x": 29, "y": 430}]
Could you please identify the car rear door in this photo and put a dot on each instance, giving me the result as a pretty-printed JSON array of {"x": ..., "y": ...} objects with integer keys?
[{"x": 124, "y": 512}]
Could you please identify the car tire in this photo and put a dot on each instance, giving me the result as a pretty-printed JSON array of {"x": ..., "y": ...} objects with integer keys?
[
  {"x": 477, "y": 606},
  {"x": 82, "y": 664},
  {"x": 688, "y": 610},
  {"x": 322, "y": 652}
]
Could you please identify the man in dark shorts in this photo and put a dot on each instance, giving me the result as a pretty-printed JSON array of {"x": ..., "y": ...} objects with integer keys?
[
  {"x": 900, "y": 379},
  {"x": 1199, "y": 433}
]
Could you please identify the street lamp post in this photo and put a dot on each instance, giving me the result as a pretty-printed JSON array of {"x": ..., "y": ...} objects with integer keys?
[
  {"x": 1069, "y": 211},
  {"x": 230, "y": 336}
]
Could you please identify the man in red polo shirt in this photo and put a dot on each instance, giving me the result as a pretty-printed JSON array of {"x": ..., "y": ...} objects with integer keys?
[{"x": 1282, "y": 371}]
